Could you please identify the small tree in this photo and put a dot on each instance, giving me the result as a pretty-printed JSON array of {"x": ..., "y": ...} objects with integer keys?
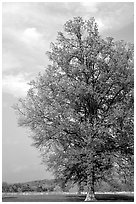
[
  {"x": 5, "y": 187},
  {"x": 84, "y": 100}
]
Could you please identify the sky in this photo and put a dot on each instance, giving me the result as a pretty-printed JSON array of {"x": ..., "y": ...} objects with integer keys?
[{"x": 27, "y": 31}]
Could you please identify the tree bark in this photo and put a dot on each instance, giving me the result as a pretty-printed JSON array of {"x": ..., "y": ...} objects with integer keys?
[
  {"x": 90, "y": 179},
  {"x": 90, "y": 190}
]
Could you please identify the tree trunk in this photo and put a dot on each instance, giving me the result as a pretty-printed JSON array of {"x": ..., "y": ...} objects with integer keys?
[
  {"x": 90, "y": 188},
  {"x": 90, "y": 179}
]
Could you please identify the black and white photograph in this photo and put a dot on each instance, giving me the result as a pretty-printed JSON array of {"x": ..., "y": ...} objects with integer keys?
[{"x": 67, "y": 101}]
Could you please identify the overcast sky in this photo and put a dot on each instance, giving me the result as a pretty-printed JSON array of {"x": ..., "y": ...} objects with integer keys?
[{"x": 27, "y": 31}]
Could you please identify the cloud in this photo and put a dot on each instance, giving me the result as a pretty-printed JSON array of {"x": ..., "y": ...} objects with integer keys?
[
  {"x": 31, "y": 36},
  {"x": 16, "y": 85},
  {"x": 90, "y": 6},
  {"x": 110, "y": 16},
  {"x": 23, "y": 50},
  {"x": 115, "y": 15}
]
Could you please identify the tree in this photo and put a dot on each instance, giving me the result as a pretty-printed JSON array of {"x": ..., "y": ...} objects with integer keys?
[
  {"x": 5, "y": 187},
  {"x": 84, "y": 100}
]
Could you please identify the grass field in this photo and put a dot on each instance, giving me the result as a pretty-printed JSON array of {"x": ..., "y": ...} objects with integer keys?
[{"x": 53, "y": 197}]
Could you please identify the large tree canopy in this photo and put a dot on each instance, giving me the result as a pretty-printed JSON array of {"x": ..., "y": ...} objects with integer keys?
[{"x": 83, "y": 102}]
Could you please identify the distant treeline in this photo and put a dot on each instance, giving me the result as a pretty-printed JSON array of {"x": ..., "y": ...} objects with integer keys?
[
  {"x": 59, "y": 186},
  {"x": 34, "y": 186}
]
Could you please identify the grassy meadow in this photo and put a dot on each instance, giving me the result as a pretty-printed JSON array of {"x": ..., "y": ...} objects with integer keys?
[{"x": 66, "y": 197}]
